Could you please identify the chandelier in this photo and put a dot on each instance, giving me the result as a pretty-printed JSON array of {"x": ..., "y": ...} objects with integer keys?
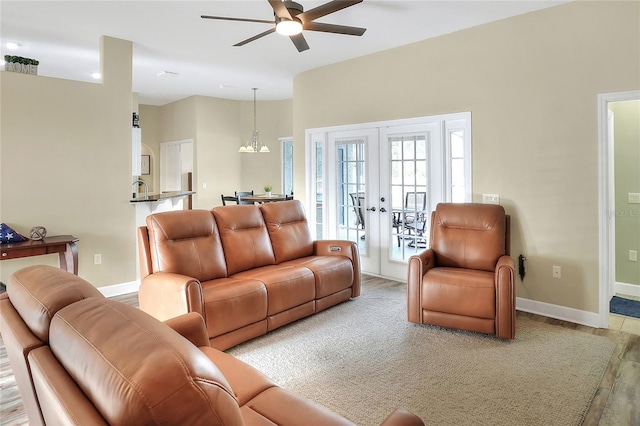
[{"x": 252, "y": 145}]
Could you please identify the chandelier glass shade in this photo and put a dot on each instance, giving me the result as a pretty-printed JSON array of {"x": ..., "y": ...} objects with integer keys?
[{"x": 254, "y": 144}]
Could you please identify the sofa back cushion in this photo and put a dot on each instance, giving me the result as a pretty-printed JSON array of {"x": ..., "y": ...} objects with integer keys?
[
  {"x": 38, "y": 292},
  {"x": 468, "y": 235},
  {"x": 288, "y": 230},
  {"x": 186, "y": 242},
  {"x": 137, "y": 370},
  {"x": 244, "y": 237}
]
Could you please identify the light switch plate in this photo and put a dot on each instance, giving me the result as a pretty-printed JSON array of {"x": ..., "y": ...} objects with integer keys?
[
  {"x": 491, "y": 198},
  {"x": 633, "y": 197}
]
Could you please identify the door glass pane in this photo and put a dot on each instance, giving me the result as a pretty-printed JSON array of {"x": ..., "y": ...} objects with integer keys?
[
  {"x": 319, "y": 191},
  {"x": 409, "y": 196},
  {"x": 456, "y": 139},
  {"x": 351, "y": 192}
]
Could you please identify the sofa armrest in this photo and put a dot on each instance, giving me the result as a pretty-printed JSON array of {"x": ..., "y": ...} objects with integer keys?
[
  {"x": 190, "y": 326},
  {"x": 342, "y": 248},
  {"x": 402, "y": 417},
  {"x": 166, "y": 295},
  {"x": 505, "y": 297},
  {"x": 418, "y": 265}
]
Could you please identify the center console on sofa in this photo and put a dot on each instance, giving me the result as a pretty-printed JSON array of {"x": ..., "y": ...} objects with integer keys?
[{"x": 245, "y": 269}]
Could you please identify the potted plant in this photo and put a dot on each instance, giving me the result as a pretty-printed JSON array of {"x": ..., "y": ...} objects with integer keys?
[
  {"x": 21, "y": 65},
  {"x": 267, "y": 190}
]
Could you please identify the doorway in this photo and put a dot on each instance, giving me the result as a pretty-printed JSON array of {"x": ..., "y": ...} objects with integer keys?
[
  {"x": 176, "y": 162},
  {"x": 607, "y": 201},
  {"x": 376, "y": 184}
]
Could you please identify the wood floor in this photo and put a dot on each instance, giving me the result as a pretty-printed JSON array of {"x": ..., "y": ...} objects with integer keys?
[{"x": 616, "y": 402}]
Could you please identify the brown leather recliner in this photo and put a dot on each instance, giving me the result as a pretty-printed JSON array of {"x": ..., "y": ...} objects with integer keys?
[{"x": 465, "y": 280}]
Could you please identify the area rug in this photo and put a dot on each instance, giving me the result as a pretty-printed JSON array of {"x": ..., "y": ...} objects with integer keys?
[
  {"x": 362, "y": 359},
  {"x": 626, "y": 307}
]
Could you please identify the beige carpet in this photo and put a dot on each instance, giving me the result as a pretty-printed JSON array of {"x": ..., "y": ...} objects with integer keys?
[{"x": 362, "y": 359}]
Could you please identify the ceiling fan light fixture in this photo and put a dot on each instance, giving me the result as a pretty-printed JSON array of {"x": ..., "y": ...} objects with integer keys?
[{"x": 288, "y": 27}]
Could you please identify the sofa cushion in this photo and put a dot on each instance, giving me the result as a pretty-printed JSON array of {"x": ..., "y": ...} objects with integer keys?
[
  {"x": 186, "y": 242},
  {"x": 38, "y": 292},
  {"x": 244, "y": 237},
  {"x": 288, "y": 229},
  {"x": 287, "y": 286},
  {"x": 137, "y": 370},
  {"x": 458, "y": 291},
  {"x": 332, "y": 273},
  {"x": 230, "y": 304}
]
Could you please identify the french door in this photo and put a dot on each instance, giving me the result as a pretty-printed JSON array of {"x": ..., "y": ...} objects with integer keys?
[{"x": 377, "y": 185}]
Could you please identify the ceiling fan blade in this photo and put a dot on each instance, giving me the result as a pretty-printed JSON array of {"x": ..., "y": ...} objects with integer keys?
[
  {"x": 332, "y": 28},
  {"x": 300, "y": 42},
  {"x": 255, "y": 37},
  {"x": 224, "y": 18},
  {"x": 279, "y": 9},
  {"x": 325, "y": 9}
]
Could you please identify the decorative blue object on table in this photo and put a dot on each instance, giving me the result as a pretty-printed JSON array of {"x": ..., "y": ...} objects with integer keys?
[{"x": 8, "y": 235}]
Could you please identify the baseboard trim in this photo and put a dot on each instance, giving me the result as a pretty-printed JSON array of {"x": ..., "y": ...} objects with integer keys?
[
  {"x": 628, "y": 289},
  {"x": 120, "y": 289},
  {"x": 564, "y": 313}
]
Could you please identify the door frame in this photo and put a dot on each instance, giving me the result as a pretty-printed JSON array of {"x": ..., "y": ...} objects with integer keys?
[
  {"x": 313, "y": 135},
  {"x": 606, "y": 201}
]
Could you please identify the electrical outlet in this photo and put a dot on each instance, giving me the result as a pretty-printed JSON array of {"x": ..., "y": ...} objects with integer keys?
[
  {"x": 97, "y": 259},
  {"x": 204, "y": 185},
  {"x": 557, "y": 272},
  {"x": 633, "y": 197},
  {"x": 633, "y": 255},
  {"x": 491, "y": 198}
]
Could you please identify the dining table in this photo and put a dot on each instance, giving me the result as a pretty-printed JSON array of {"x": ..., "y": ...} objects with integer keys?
[{"x": 264, "y": 198}]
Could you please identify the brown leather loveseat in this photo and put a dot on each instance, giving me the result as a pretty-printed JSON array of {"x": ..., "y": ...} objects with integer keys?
[
  {"x": 88, "y": 360},
  {"x": 246, "y": 269}
]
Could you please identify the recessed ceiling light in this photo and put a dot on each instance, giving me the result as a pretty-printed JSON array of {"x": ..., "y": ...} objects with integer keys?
[
  {"x": 13, "y": 46},
  {"x": 96, "y": 75},
  {"x": 166, "y": 74}
]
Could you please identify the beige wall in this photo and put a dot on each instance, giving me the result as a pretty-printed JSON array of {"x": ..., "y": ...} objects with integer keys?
[
  {"x": 627, "y": 179},
  {"x": 531, "y": 84},
  {"x": 66, "y": 164}
]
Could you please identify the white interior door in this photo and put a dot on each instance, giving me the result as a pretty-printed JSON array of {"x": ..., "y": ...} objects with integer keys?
[
  {"x": 411, "y": 179},
  {"x": 351, "y": 192},
  {"x": 176, "y": 159}
]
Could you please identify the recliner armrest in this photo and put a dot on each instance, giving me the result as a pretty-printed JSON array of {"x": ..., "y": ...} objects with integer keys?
[
  {"x": 402, "y": 417},
  {"x": 342, "y": 248},
  {"x": 418, "y": 265},
  {"x": 166, "y": 295},
  {"x": 190, "y": 326}
]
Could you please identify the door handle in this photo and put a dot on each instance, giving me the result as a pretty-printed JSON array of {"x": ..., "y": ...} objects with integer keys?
[
  {"x": 372, "y": 209},
  {"x": 383, "y": 210}
]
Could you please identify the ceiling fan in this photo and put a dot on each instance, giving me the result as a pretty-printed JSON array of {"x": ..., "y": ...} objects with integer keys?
[{"x": 291, "y": 19}]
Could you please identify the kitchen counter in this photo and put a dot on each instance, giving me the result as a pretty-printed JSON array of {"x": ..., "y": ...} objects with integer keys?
[{"x": 160, "y": 197}]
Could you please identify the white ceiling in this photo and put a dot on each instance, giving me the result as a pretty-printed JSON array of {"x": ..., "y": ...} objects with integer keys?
[{"x": 171, "y": 36}]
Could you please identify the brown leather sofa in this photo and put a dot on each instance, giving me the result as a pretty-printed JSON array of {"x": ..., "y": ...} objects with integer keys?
[
  {"x": 88, "y": 360},
  {"x": 465, "y": 280},
  {"x": 246, "y": 269}
]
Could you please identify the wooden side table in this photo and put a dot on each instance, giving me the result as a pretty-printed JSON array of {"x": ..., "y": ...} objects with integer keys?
[{"x": 64, "y": 245}]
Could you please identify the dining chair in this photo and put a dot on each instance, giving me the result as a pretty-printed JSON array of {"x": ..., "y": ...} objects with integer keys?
[
  {"x": 413, "y": 219},
  {"x": 240, "y": 194},
  {"x": 357, "y": 199},
  {"x": 228, "y": 199}
]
